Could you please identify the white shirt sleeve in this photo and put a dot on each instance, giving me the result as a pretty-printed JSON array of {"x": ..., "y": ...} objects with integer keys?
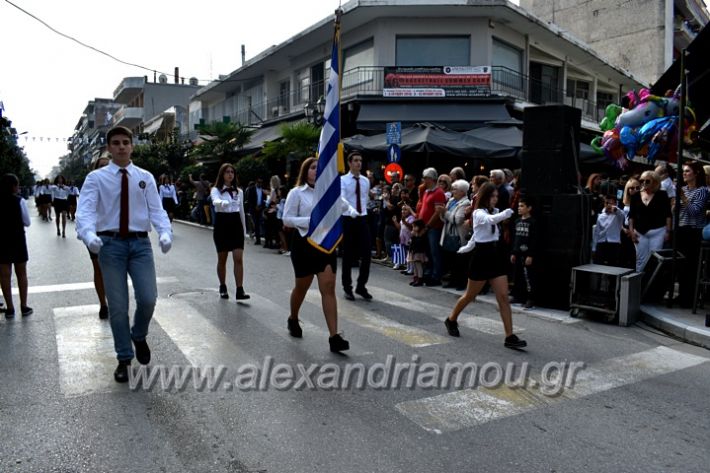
[
  {"x": 25, "y": 213},
  {"x": 291, "y": 217},
  {"x": 86, "y": 208}
]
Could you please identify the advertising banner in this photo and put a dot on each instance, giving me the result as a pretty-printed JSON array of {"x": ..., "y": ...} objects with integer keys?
[{"x": 437, "y": 81}]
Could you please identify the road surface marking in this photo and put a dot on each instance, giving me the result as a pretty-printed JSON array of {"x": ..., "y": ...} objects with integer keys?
[
  {"x": 408, "y": 335},
  {"x": 471, "y": 407},
  {"x": 78, "y": 286}
]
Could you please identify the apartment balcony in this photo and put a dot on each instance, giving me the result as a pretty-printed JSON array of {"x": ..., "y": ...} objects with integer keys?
[
  {"x": 130, "y": 117},
  {"x": 128, "y": 89},
  {"x": 368, "y": 81}
]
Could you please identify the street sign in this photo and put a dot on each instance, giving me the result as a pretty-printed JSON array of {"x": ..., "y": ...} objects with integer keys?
[
  {"x": 394, "y": 154},
  {"x": 393, "y": 173},
  {"x": 394, "y": 133}
]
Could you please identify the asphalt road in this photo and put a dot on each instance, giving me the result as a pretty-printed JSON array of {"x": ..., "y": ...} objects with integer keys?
[{"x": 638, "y": 404}]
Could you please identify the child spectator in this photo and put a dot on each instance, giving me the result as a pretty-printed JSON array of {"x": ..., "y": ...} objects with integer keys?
[
  {"x": 524, "y": 253},
  {"x": 405, "y": 235},
  {"x": 606, "y": 238},
  {"x": 417, "y": 251}
]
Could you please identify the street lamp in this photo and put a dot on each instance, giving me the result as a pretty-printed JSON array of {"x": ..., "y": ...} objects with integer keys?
[{"x": 315, "y": 111}]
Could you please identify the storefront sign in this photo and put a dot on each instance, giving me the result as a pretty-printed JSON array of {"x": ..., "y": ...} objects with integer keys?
[{"x": 437, "y": 81}]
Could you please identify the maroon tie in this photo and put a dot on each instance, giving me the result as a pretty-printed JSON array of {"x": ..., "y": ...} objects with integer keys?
[
  {"x": 123, "y": 222},
  {"x": 357, "y": 194}
]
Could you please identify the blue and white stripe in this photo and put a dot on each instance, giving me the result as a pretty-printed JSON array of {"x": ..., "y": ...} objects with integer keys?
[{"x": 325, "y": 228}]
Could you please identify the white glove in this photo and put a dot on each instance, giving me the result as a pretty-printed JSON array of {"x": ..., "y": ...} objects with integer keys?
[
  {"x": 94, "y": 243},
  {"x": 467, "y": 247},
  {"x": 166, "y": 242}
]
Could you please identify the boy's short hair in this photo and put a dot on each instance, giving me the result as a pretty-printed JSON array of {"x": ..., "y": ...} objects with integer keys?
[
  {"x": 527, "y": 200},
  {"x": 610, "y": 197},
  {"x": 118, "y": 130},
  {"x": 352, "y": 154}
]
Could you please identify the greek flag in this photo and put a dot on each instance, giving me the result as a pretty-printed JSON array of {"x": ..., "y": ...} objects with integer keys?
[{"x": 326, "y": 229}]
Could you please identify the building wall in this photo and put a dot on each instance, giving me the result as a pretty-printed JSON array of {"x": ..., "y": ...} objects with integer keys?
[
  {"x": 159, "y": 97},
  {"x": 631, "y": 36}
]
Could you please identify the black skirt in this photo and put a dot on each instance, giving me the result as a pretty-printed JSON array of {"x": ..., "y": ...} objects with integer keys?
[
  {"x": 13, "y": 249},
  {"x": 43, "y": 199},
  {"x": 169, "y": 205},
  {"x": 307, "y": 260},
  {"x": 488, "y": 261},
  {"x": 60, "y": 205},
  {"x": 228, "y": 232},
  {"x": 71, "y": 199}
]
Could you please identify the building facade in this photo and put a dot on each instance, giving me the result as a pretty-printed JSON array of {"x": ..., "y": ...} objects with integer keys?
[{"x": 641, "y": 36}]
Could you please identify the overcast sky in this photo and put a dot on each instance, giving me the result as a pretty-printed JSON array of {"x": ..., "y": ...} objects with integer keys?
[{"x": 46, "y": 80}]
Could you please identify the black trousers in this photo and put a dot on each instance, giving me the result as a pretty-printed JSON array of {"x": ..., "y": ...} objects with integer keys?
[
  {"x": 523, "y": 279},
  {"x": 356, "y": 246},
  {"x": 688, "y": 243}
]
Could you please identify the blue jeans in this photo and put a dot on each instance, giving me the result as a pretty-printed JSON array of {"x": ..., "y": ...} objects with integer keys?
[
  {"x": 434, "y": 235},
  {"x": 119, "y": 258}
]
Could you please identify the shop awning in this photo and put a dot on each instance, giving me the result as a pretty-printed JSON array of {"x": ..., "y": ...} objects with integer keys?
[{"x": 453, "y": 115}]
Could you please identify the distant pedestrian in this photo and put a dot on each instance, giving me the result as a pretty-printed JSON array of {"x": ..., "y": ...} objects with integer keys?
[
  {"x": 13, "y": 245},
  {"x": 117, "y": 206},
  {"x": 168, "y": 196},
  {"x": 60, "y": 202},
  {"x": 308, "y": 261},
  {"x": 229, "y": 228},
  {"x": 255, "y": 200}
]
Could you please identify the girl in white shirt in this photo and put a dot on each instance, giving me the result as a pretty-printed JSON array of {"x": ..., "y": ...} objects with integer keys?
[
  {"x": 489, "y": 262},
  {"x": 308, "y": 261},
  {"x": 60, "y": 202},
  {"x": 168, "y": 196},
  {"x": 229, "y": 225}
]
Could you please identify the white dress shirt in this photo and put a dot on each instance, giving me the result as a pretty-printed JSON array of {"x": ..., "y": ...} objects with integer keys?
[
  {"x": 60, "y": 192},
  {"x": 24, "y": 211},
  {"x": 73, "y": 190},
  {"x": 608, "y": 228},
  {"x": 348, "y": 185},
  {"x": 167, "y": 191},
  {"x": 485, "y": 225},
  {"x": 225, "y": 203},
  {"x": 299, "y": 205},
  {"x": 99, "y": 206}
]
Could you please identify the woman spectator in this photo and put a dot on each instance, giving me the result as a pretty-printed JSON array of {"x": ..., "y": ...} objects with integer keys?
[
  {"x": 693, "y": 203},
  {"x": 60, "y": 202},
  {"x": 444, "y": 181},
  {"x": 168, "y": 195},
  {"x": 282, "y": 193},
  {"x": 456, "y": 230},
  {"x": 628, "y": 250},
  {"x": 489, "y": 262},
  {"x": 229, "y": 228},
  {"x": 649, "y": 218},
  {"x": 457, "y": 173},
  {"x": 308, "y": 261},
  {"x": 13, "y": 245}
]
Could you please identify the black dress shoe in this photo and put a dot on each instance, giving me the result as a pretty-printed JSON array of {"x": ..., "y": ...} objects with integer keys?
[
  {"x": 121, "y": 373},
  {"x": 452, "y": 327},
  {"x": 349, "y": 294},
  {"x": 294, "y": 328},
  {"x": 241, "y": 295},
  {"x": 103, "y": 312},
  {"x": 10, "y": 313},
  {"x": 514, "y": 342},
  {"x": 338, "y": 343},
  {"x": 362, "y": 292},
  {"x": 223, "y": 291},
  {"x": 26, "y": 311},
  {"x": 142, "y": 352},
  {"x": 432, "y": 282}
]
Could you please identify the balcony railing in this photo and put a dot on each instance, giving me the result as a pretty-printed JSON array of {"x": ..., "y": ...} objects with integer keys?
[{"x": 369, "y": 81}]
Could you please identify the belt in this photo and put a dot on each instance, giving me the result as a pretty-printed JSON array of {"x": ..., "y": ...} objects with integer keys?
[{"x": 128, "y": 235}]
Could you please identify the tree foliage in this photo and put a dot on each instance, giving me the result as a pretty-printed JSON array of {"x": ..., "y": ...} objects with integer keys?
[
  {"x": 221, "y": 142},
  {"x": 249, "y": 168},
  {"x": 12, "y": 157}
]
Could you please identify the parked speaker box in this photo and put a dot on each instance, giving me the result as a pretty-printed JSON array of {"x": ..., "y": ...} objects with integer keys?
[
  {"x": 549, "y": 171},
  {"x": 551, "y": 126}
]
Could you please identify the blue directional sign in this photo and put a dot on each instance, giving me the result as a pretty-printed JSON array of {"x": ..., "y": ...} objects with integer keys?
[
  {"x": 394, "y": 133},
  {"x": 394, "y": 153}
]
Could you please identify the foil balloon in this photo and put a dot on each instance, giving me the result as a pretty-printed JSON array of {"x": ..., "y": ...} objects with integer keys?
[{"x": 629, "y": 139}]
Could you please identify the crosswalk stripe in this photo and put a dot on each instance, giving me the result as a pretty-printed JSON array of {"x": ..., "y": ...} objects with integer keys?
[
  {"x": 274, "y": 317},
  {"x": 408, "y": 335},
  {"x": 78, "y": 286},
  {"x": 85, "y": 351},
  {"x": 202, "y": 343},
  {"x": 471, "y": 407},
  {"x": 478, "y": 323}
]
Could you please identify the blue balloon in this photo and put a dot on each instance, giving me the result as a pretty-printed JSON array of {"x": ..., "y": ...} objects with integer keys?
[{"x": 628, "y": 138}]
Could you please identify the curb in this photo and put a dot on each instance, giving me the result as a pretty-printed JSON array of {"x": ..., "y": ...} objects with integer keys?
[
  {"x": 192, "y": 224},
  {"x": 690, "y": 334}
]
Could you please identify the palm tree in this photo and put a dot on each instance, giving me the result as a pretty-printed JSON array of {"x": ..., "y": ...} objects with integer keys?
[
  {"x": 299, "y": 139},
  {"x": 221, "y": 140}
]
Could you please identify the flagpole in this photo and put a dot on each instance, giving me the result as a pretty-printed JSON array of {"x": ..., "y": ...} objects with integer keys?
[{"x": 341, "y": 150}]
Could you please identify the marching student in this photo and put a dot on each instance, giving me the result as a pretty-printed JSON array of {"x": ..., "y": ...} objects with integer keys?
[
  {"x": 489, "y": 262},
  {"x": 44, "y": 199},
  {"x": 168, "y": 196},
  {"x": 72, "y": 199},
  {"x": 13, "y": 245},
  {"x": 60, "y": 202},
  {"x": 308, "y": 261},
  {"x": 118, "y": 204},
  {"x": 355, "y": 188},
  {"x": 229, "y": 228}
]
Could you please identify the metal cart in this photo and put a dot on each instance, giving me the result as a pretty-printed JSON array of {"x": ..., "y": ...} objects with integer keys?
[{"x": 614, "y": 292}]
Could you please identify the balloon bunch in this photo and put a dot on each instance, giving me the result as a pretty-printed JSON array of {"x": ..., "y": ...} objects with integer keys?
[{"x": 648, "y": 127}]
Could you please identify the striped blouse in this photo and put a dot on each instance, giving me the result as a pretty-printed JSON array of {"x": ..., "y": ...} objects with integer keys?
[{"x": 692, "y": 213}]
